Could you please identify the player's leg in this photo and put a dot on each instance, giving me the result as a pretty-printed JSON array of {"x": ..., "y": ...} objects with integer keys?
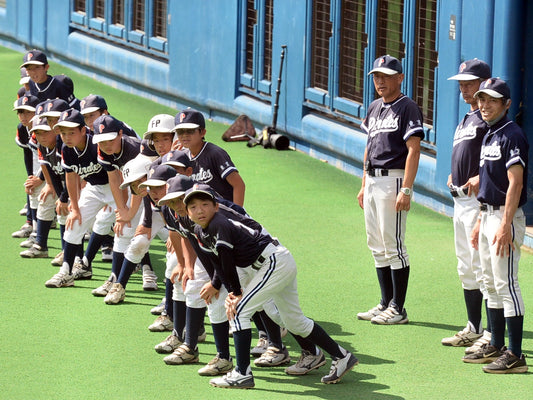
[{"x": 45, "y": 216}]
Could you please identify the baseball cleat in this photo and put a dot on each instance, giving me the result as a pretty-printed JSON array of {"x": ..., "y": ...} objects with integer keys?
[
  {"x": 485, "y": 339},
  {"x": 24, "y": 231},
  {"x": 58, "y": 260},
  {"x": 273, "y": 357},
  {"x": 167, "y": 346},
  {"x": 34, "y": 251},
  {"x": 462, "y": 339},
  {"x": 32, "y": 239},
  {"x": 102, "y": 291},
  {"x": 487, "y": 354},
  {"x": 373, "y": 312},
  {"x": 507, "y": 363},
  {"x": 260, "y": 348},
  {"x": 161, "y": 324},
  {"x": 182, "y": 355},
  {"x": 217, "y": 366},
  {"x": 116, "y": 295},
  {"x": 82, "y": 271},
  {"x": 60, "y": 280},
  {"x": 339, "y": 368},
  {"x": 306, "y": 363},
  {"x": 234, "y": 380},
  {"x": 391, "y": 316},
  {"x": 149, "y": 278},
  {"x": 157, "y": 310}
]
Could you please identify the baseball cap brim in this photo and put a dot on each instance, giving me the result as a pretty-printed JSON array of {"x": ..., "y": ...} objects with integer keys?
[
  {"x": 463, "y": 77},
  {"x": 175, "y": 164},
  {"x": 89, "y": 110},
  {"x": 490, "y": 92},
  {"x": 187, "y": 125},
  {"x": 24, "y": 80},
  {"x": 188, "y": 197},
  {"x": 101, "y": 137},
  {"x": 31, "y": 63},
  {"x": 153, "y": 182},
  {"x": 29, "y": 108},
  {"x": 40, "y": 127},
  {"x": 67, "y": 124},
  {"x": 55, "y": 114},
  {"x": 149, "y": 135},
  {"x": 386, "y": 71},
  {"x": 132, "y": 178},
  {"x": 170, "y": 196}
]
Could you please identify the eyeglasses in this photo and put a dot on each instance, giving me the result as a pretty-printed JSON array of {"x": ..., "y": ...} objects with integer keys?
[{"x": 182, "y": 132}]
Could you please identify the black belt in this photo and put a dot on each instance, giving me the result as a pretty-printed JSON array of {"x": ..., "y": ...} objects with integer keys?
[
  {"x": 455, "y": 193},
  {"x": 372, "y": 171},
  {"x": 261, "y": 259},
  {"x": 485, "y": 207}
]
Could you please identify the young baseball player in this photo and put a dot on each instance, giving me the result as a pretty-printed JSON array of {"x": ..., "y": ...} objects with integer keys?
[
  {"x": 80, "y": 161},
  {"x": 500, "y": 229},
  {"x": 394, "y": 127},
  {"x": 44, "y": 86},
  {"x": 238, "y": 246},
  {"x": 464, "y": 185},
  {"x": 25, "y": 108}
]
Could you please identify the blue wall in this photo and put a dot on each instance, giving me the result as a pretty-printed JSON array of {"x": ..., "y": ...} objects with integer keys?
[{"x": 204, "y": 57}]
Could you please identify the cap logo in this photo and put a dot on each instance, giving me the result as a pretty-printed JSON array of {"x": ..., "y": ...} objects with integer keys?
[
  {"x": 101, "y": 128},
  {"x": 30, "y": 56},
  {"x": 182, "y": 117},
  {"x": 82, "y": 104},
  {"x": 49, "y": 106},
  {"x": 381, "y": 61},
  {"x": 489, "y": 82},
  {"x": 24, "y": 100},
  {"x": 155, "y": 123},
  {"x": 125, "y": 172},
  {"x": 152, "y": 171},
  {"x": 462, "y": 67},
  {"x": 40, "y": 110}
]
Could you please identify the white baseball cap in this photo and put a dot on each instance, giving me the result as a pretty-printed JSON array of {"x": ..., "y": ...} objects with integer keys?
[
  {"x": 160, "y": 123},
  {"x": 135, "y": 169}
]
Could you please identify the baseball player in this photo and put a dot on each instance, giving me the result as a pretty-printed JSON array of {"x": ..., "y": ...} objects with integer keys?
[
  {"x": 238, "y": 246},
  {"x": 394, "y": 127},
  {"x": 79, "y": 159},
  {"x": 500, "y": 229},
  {"x": 44, "y": 86},
  {"x": 464, "y": 185}
]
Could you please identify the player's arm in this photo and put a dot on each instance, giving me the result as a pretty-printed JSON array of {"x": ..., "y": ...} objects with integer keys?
[
  {"x": 48, "y": 189},
  {"x": 177, "y": 273},
  {"x": 361, "y": 194},
  {"x": 236, "y": 181},
  {"x": 120, "y": 196},
  {"x": 72, "y": 181},
  {"x": 504, "y": 236},
  {"x": 403, "y": 202}
]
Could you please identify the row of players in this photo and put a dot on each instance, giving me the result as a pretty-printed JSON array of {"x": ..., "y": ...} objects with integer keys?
[{"x": 219, "y": 259}]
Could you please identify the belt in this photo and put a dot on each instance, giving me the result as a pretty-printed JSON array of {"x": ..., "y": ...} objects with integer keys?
[
  {"x": 459, "y": 192},
  {"x": 261, "y": 259},
  {"x": 378, "y": 172},
  {"x": 488, "y": 207}
]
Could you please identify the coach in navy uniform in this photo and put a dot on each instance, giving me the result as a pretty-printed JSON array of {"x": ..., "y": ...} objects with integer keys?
[
  {"x": 394, "y": 127},
  {"x": 501, "y": 227}
]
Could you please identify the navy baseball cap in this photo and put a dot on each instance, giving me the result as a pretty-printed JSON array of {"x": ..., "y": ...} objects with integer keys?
[
  {"x": 177, "y": 187},
  {"x": 160, "y": 123},
  {"x": 147, "y": 150},
  {"x": 34, "y": 57},
  {"x": 135, "y": 169},
  {"x": 24, "y": 77},
  {"x": 27, "y": 102},
  {"x": 472, "y": 69},
  {"x": 92, "y": 103},
  {"x": 105, "y": 127},
  {"x": 71, "y": 118},
  {"x": 159, "y": 175},
  {"x": 40, "y": 123},
  {"x": 387, "y": 65},
  {"x": 201, "y": 191},
  {"x": 494, "y": 87},
  {"x": 177, "y": 158},
  {"x": 51, "y": 108},
  {"x": 189, "y": 119}
]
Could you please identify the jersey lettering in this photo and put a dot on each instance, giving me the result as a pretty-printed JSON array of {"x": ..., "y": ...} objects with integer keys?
[
  {"x": 92, "y": 168},
  {"x": 376, "y": 125},
  {"x": 202, "y": 175},
  {"x": 491, "y": 152},
  {"x": 465, "y": 133}
]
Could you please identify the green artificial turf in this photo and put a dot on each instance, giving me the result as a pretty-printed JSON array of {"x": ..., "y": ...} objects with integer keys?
[{"x": 65, "y": 343}]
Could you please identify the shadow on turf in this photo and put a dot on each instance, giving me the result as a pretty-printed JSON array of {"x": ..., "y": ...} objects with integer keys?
[{"x": 355, "y": 381}]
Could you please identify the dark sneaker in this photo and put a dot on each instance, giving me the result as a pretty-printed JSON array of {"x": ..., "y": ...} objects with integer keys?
[
  {"x": 339, "y": 368},
  {"x": 234, "y": 380},
  {"x": 486, "y": 354},
  {"x": 507, "y": 363},
  {"x": 307, "y": 362}
]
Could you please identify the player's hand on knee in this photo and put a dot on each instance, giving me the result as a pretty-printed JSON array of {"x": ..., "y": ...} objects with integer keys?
[
  {"x": 143, "y": 230},
  {"x": 73, "y": 216}
]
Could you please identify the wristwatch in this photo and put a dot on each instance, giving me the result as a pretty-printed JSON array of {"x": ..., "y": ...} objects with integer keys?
[{"x": 407, "y": 191}]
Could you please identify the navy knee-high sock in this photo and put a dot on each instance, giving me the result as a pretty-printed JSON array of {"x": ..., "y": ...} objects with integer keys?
[
  {"x": 489, "y": 322},
  {"x": 116, "y": 264},
  {"x": 305, "y": 343},
  {"x": 43, "y": 228},
  {"x": 194, "y": 320},
  {"x": 515, "y": 329},
  {"x": 221, "y": 335},
  {"x": 258, "y": 321},
  {"x": 69, "y": 254},
  {"x": 108, "y": 241},
  {"x": 242, "y": 341},
  {"x": 497, "y": 321},
  {"x": 400, "y": 280},
  {"x": 95, "y": 241},
  {"x": 385, "y": 284},
  {"x": 28, "y": 210},
  {"x": 474, "y": 305},
  {"x": 272, "y": 330},
  {"x": 125, "y": 272},
  {"x": 169, "y": 303},
  {"x": 179, "y": 314},
  {"x": 146, "y": 260},
  {"x": 319, "y": 337},
  {"x": 61, "y": 233}
]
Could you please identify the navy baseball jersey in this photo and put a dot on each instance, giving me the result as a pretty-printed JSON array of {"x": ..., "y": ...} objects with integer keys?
[
  {"x": 59, "y": 86},
  {"x": 84, "y": 163},
  {"x": 388, "y": 126},
  {"x": 503, "y": 146},
  {"x": 467, "y": 147},
  {"x": 234, "y": 244},
  {"x": 51, "y": 159},
  {"x": 22, "y": 136},
  {"x": 211, "y": 166},
  {"x": 131, "y": 147}
]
